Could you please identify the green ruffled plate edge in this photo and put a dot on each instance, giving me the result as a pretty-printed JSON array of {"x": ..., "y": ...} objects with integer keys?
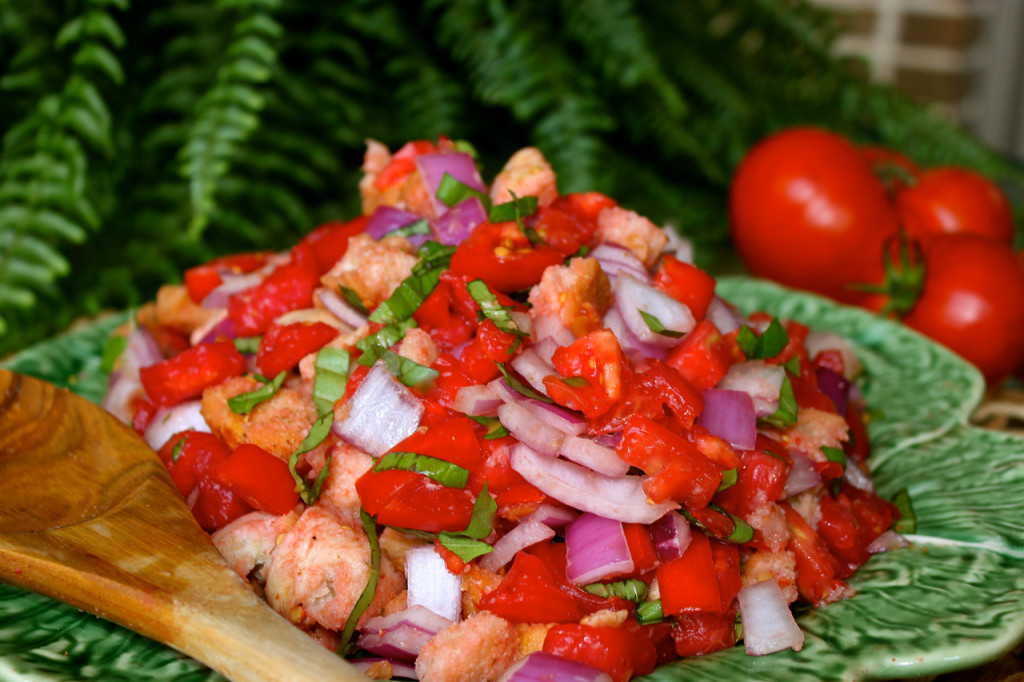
[{"x": 954, "y": 600}]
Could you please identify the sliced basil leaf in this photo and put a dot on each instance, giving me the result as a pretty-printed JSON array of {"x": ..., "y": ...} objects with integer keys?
[
  {"x": 178, "y": 447},
  {"x": 409, "y": 372},
  {"x": 244, "y": 403},
  {"x": 766, "y": 345},
  {"x": 321, "y": 477},
  {"x": 792, "y": 366},
  {"x": 907, "y": 523},
  {"x": 414, "y": 289},
  {"x": 445, "y": 473},
  {"x": 345, "y": 643},
  {"x": 575, "y": 382},
  {"x": 316, "y": 435},
  {"x": 331, "y": 379},
  {"x": 492, "y": 310},
  {"x": 741, "y": 532},
  {"x": 786, "y": 413},
  {"x": 466, "y": 548},
  {"x": 634, "y": 590},
  {"x": 517, "y": 209},
  {"x": 650, "y": 612},
  {"x": 420, "y": 226},
  {"x": 352, "y": 298},
  {"x": 495, "y": 429},
  {"x": 835, "y": 455},
  {"x": 113, "y": 348},
  {"x": 248, "y": 345},
  {"x": 519, "y": 387},
  {"x": 482, "y": 523},
  {"x": 451, "y": 191},
  {"x": 729, "y": 478},
  {"x": 374, "y": 345},
  {"x": 655, "y": 325}
]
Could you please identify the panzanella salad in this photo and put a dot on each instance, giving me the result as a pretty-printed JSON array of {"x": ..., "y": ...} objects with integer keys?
[{"x": 490, "y": 432}]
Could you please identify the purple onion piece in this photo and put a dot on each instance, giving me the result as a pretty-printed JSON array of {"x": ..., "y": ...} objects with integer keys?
[
  {"x": 730, "y": 416},
  {"x": 459, "y": 165},
  {"x": 596, "y": 548},
  {"x": 388, "y": 219},
  {"x": 459, "y": 221},
  {"x": 671, "y": 535},
  {"x": 835, "y": 386},
  {"x": 541, "y": 666}
]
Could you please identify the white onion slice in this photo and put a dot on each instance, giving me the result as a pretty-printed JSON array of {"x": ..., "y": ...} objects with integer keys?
[
  {"x": 382, "y": 412},
  {"x": 615, "y": 260},
  {"x": 340, "y": 308},
  {"x": 621, "y": 498},
  {"x": 593, "y": 455},
  {"x": 633, "y": 296},
  {"x": 166, "y": 422},
  {"x": 431, "y": 584},
  {"x": 887, "y": 541},
  {"x": 400, "y": 635},
  {"x": 530, "y": 430},
  {"x": 544, "y": 667},
  {"x": 477, "y": 401},
  {"x": 768, "y": 624},
  {"x": 763, "y": 382},
  {"x": 803, "y": 476},
  {"x": 723, "y": 316},
  {"x": 533, "y": 367},
  {"x": 551, "y": 327},
  {"x": 526, "y": 534},
  {"x": 595, "y": 549}
]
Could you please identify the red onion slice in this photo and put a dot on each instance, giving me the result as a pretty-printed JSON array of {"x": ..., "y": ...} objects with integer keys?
[
  {"x": 857, "y": 477},
  {"x": 730, "y": 416},
  {"x": 671, "y": 534},
  {"x": 387, "y": 219},
  {"x": 431, "y": 584},
  {"x": 459, "y": 221},
  {"x": 123, "y": 384},
  {"x": 552, "y": 516},
  {"x": 768, "y": 624},
  {"x": 476, "y": 401},
  {"x": 621, "y": 497},
  {"x": 231, "y": 284},
  {"x": 340, "y": 308},
  {"x": 166, "y": 422},
  {"x": 459, "y": 165},
  {"x": 593, "y": 455},
  {"x": 530, "y": 430},
  {"x": 803, "y": 476},
  {"x": 761, "y": 381},
  {"x": 887, "y": 541},
  {"x": 550, "y": 327},
  {"x": 596, "y": 548},
  {"x": 835, "y": 386},
  {"x": 218, "y": 327},
  {"x": 401, "y": 634},
  {"x": 526, "y": 534},
  {"x": 723, "y": 316},
  {"x": 616, "y": 259},
  {"x": 532, "y": 367},
  {"x": 544, "y": 667},
  {"x": 381, "y": 413},
  {"x": 561, "y": 419},
  {"x": 633, "y": 296},
  {"x": 632, "y": 346}
]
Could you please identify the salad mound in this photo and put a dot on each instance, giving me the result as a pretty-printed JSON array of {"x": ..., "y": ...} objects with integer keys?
[{"x": 488, "y": 431}]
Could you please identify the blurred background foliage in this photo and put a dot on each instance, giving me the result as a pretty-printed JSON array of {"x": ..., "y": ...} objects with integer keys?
[{"x": 140, "y": 138}]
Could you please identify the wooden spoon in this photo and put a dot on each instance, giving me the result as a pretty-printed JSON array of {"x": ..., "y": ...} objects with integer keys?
[{"x": 89, "y": 516}]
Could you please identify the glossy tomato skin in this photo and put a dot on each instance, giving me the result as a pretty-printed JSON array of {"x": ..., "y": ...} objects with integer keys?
[
  {"x": 973, "y": 301},
  {"x": 806, "y": 211},
  {"x": 955, "y": 200}
]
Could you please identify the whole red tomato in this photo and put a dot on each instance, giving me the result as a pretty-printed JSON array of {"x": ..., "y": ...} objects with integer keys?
[
  {"x": 972, "y": 301},
  {"x": 893, "y": 168},
  {"x": 807, "y": 211},
  {"x": 955, "y": 200}
]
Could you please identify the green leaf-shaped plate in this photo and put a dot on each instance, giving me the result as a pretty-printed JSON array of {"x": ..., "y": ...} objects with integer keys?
[{"x": 954, "y": 600}]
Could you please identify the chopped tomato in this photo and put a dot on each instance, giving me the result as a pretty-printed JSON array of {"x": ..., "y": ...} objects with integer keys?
[
  {"x": 502, "y": 256},
  {"x": 450, "y": 379},
  {"x": 188, "y": 373},
  {"x": 408, "y": 499},
  {"x": 258, "y": 477},
  {"x": 283, "y": 346},
  {"x": 514, "y": 496},
  {"x": 202, "y": 279},
  {"x": 619, "y": 651},
  {"x": 562, "y": 229},
  {"x": 760, "y": 479},
  {"x": 189, "y": 456},
  {"x": 490, "y": 346},
  {"x": 704, "y": 355},
  {"x": 677, "y": 469},
  {"x": 649, "y": 393},
  {"x": 686, "y": 283},
  {"x": 848, "y": 524},
  {"x": 402, "y": 163},
  {"x": 442, "y": 316},
  {"x": 288, "y": 287},
  {"x": 690, "y": 583},
  {"x": 858, "y": 446},
  {"x": 329, "y": 241},
  {"x": 217, "y": 505},
  {"x": 530, "y": 593},
  {"x": 453, "y": 440},
  {"x": 143, "y": 415},
  {"x": 817, "y": 570},
  {"x": 592, "y": 369},
  {"x": 585, "y": 204},
  {"x": 704, "y": 632}
]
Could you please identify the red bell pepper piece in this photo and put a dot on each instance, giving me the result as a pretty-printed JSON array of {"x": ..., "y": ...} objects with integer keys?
[
  {"x": 283, "y": 346},
  {"x": 258, "y": 477},
  {"x": 288, "y": 287},
  {"x": 188, "y": 373}
]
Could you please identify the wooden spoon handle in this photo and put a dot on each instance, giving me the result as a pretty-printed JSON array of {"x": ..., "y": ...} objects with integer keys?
[{"x": 119, "y": 542}]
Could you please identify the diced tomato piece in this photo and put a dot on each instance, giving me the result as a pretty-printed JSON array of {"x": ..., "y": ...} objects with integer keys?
[
  {"x": 649, "y": 392},
  {"x": 641, "y": 547},
  {"x": 259, "y": 478},
  {"x": 530, "y": 593},
  {"x": 502, "y": 256},
  {"x": 858, "y": 447},
  {"x": 686, "y": 283},
  {"x": 678, "y": 470},
  {"x": 849, "y": 522},
  {"x": 188, "y": 373},
  {"x": 760, "y": 479},
  {"x": 816, "y": 569},
  {"x": 453, "y": 440},
  {"x": 727, "y": 567},
  {"x": 704, "y": 355},
  {"x": 560, "y": 226},
  {"x": 402, "y": 163},
  {"x": 217, "y": 505},
  {"x": 202, "y": 279},
  {"x": 585, "y": 204},
  {"x": 718, "y": 450},
  {"x": 143, "y": 415},
  {"x": 598, "y": 360},
  {"x": 808, "y": 395},
  {"x": 452, "y": 561},
  {"x": 690, "y": 583},
  {"x": 288, "y": 287},
  {"x": 189, "y": 456},
  {"x": 618, "y": 651},
  {"x": 329, "y": 241},
  {"x": 490, "y": 346},
  {"x": 830, "y": 358},
  {"x": 408, "y": 499},
  {"x": 450, "y": 379},
  {"x": 283, "y": 346},
  {"x": 704, "y": 632},
  {"x": 440, "y": 316}
]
